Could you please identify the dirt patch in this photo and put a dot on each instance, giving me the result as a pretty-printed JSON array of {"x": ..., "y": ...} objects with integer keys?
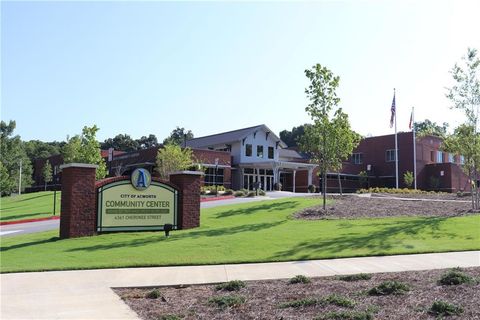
[
  {"x": 264, "y": 299},
  {"x": 352, "y": 207}
]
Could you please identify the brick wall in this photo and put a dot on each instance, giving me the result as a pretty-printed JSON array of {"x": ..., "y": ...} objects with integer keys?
[{"x": 188, "y": 183}]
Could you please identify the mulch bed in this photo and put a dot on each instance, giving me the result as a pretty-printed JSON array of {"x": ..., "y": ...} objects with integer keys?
[
  {"x": 352, "y": 207},
  {"x": 263, "y": 298},
  {"x": 432, "y": 196}
]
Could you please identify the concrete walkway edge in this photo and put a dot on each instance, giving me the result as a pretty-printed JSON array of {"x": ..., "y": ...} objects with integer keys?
[{"x": 87, "y": 294}]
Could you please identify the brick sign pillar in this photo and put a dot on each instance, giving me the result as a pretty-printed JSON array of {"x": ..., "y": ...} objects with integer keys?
[
  {"x": 78, "y": 209},
  {"x": 188, "y": 183}
]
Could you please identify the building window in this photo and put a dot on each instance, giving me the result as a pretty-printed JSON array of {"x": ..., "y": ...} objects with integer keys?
[
  {"x": 259, "y": 151},
  {"x": 211, "y": 179},
  {"x": 248, "y": 150},
  {"x": 390, "y": 155},
  {"x": 357, "y": 158},
  {"x": 270, "y": 153},
  {"x": 451, "y": 158},
  {"x": 439, "y": 157}
]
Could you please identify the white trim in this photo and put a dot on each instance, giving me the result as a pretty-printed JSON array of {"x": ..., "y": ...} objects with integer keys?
[
  {"x": 78, "y": 165},
  {"x": 186, "y": 172}
]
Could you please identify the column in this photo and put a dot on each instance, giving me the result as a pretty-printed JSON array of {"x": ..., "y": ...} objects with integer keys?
[
  {"x": 294, "y": 178},
  {"x": 310, "y": 174},
  {"x": 78, "y": 206},
  {"x": 188, "y": 183}
]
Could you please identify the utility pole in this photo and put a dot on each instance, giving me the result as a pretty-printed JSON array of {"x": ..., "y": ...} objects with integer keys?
[{"x": 20, "y": 179}]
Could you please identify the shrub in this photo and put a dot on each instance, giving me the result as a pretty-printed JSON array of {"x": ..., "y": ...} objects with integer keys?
[
  {"x": 339, "y": 300},
  {"x": 213, "y": 192},
  {"x": 389, "y": 287},
  {"x": 408, "y": 178},
  {"x": 392, "y": 191},
  {"x": 277, "y": 186},
  {"x": 300, "y": 303},
  {"x": 261, "y": 192},
  {"x": 312, "y": 188},
  {"x": 299, "y": 279},
  {"x": 227, "y": 301},
  {"x": 244, "y": 190},
  {"x": 442, "y": 308},
  {"x": 220, "y": 188},
  {"x": 228, "y": 192},
  {"x": 169, "y": 317},
  {"x": 347, "y": 315},
  {"x": 239, "y": 193},
  {"x": 251, "y": 194},
  {"x": 455, "y": 277},
  {"x": 355, "y": 277},
  {"x": 154, "y": 294},
  {"x": 234, "y": 285}
]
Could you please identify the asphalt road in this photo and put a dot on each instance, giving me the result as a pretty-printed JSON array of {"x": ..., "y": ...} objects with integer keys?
[{"x": 32, "y": 227}]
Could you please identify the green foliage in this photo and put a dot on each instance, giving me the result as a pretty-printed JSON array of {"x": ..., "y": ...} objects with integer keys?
[
  {"x": 347, "y": 315},
  {"x": 12, "y": 154},
  {"x": 394, "y": 191},
  {"x": 312, "y": 188},
  {"x": 154, "y": 294},
  {"x": 251, "y": 194},
  {"x": 465, "y": 96},
  {"x": 234, "y": 285},
  {"x": 85, "y": 148},
  {"x": 228, "y": 192},
  {"x": 239, "y": 193},
  {"x": 291, "y": 138},
  {"x": 227, "y": 301},
  {"x": 299, "y": 303},
  {"x": 408, "y": 178},
  {"x": 299, "y": 279},
  {"x": 124, "y": 142},
  {"x": 178, "y": 136},
  {"x": 455, "y": 277},
  {"x": 441, "y": 309},
  {"x": 47, "y": 173},
  {"x": 261, "y": 192},
  {"x": 38, "y": 149},
  {"x": 429, "y": 128},
  {"x": 339, "y": 301},
  {"x": 389, "y": 287},
  {"x": 329, "y": 140},
  {"x": 355, "y": 277},
  {"x": 173, "y": 158}
]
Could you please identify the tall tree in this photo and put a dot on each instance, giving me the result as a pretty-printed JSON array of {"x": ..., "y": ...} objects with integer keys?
[
  {"x": 47, "y": 173},
  {"x": 329, "y": 140},
  {"x": 85, "y": 148},
  {"x": 122, "y": 142},
  {"x": 13, "y": 157},
  {"x": 38, "y": 149},
  {"x": 465, "y": 96},
  {"x": 429, "y": 128},
  {"x": 291, "y": 138},
  {"x": 173, "y": 158},
  {"x": 178, "y": 136},
  {"x": 147, "y": 142}
]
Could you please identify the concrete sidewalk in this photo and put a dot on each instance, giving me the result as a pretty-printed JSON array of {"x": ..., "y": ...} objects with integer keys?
[{"x": 88, "y": 295}]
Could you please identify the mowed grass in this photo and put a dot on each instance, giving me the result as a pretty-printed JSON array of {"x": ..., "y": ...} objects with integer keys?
[
  {"x": 255, "y": 232},
  {"x": 28, "y": 206}
]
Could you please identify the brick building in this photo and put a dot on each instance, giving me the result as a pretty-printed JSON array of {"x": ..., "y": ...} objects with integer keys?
[{"x": 246, "y": 157}]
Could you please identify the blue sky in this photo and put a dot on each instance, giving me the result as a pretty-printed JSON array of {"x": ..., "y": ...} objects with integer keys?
[{"x": 141, "y": 68}]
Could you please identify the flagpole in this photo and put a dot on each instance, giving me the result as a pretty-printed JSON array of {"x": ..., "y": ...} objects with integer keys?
[
  {"x": 396, "y": 144},
  {"x": 414, "y": 150}
]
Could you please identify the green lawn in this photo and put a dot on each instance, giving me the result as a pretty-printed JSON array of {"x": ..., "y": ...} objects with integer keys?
[
  {"x": 28, "y": 206},
  {"x": 255, "y": 232}
]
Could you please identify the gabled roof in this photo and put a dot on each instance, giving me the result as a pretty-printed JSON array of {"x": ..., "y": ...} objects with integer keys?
[
  {"x": 229, "y": 137},
  {"x": 291, "y": 153}
]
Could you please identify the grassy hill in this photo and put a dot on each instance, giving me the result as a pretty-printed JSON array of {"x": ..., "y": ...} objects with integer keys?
[{"x": 28, "y": 206}]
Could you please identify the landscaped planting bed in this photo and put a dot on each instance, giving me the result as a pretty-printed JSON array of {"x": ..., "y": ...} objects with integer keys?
[
  {"x": 353, "y": 207},
  {"x": 403, "y": 295}
]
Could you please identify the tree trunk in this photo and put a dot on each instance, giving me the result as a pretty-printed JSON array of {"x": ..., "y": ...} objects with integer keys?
[
  {"x": 339, "y": 183},
  {"x": 45, "y": 186},
  {"x": 324, "y": 182}
]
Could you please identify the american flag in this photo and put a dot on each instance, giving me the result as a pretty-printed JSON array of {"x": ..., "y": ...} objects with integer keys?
[{"x": 392, "y": 118}]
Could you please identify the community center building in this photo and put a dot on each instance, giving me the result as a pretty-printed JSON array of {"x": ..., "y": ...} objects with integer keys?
[{"x": 256, "y": 157}]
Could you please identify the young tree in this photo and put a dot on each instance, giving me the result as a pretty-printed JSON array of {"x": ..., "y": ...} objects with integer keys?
[
  {"x": 173, "y": 158},
  {"x": 13, "y": 156},
  {"x": 408, "y": 178},
  {"x": 85, "y": 148},
  {"x": 47, "y": 173},
  {"x": 465, "y": 96},
  {"x": 329, "y": 140},
  {"x": 178, "y": 136}
]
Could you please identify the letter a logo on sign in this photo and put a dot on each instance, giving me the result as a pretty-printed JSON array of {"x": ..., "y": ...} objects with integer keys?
[{"x": 141, "y": 179}]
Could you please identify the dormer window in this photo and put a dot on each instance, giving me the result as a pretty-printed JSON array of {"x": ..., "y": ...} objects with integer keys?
[
  {"x": 270, "y": 153},
  {"x": 248, "y": 150}
]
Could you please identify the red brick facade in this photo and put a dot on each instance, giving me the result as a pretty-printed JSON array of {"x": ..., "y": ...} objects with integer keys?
[{"x": 188, "y": 199}]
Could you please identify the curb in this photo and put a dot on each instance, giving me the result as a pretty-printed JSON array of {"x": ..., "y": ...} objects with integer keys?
[
  {"x": 216, "y": 198},
  {"x": 4, "y": 223}
]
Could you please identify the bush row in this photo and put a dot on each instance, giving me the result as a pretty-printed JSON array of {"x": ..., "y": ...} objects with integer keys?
[{"x": 394, "y": 190}]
